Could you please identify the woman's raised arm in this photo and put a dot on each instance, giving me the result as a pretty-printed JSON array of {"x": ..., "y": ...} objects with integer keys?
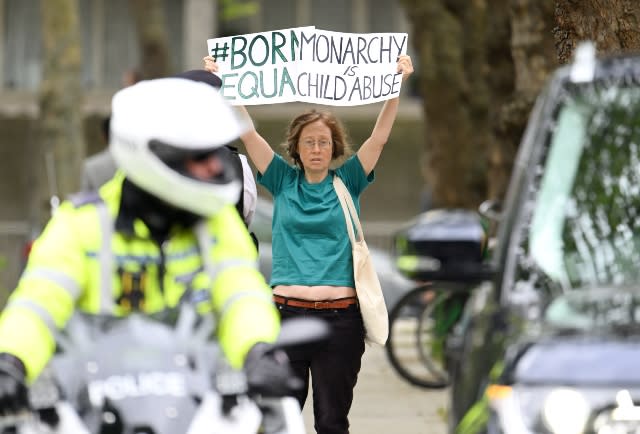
[{"x": 370, "y": 151}]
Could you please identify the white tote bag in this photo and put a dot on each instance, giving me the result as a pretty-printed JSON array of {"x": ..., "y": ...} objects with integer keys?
[{"x": 370, "y": 298}]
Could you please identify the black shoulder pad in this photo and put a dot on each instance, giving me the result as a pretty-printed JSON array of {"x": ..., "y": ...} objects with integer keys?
[{"x": 84, "y": 198}]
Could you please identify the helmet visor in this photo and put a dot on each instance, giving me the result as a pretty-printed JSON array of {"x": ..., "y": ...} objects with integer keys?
[{"x": 216, "y": 165}]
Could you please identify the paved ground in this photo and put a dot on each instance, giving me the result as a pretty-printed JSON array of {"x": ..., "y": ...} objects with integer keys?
[{"x": 385, "y": 404}]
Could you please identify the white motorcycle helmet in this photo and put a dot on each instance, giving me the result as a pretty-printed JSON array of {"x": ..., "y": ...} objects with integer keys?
[{"x": 156, "y": 125}]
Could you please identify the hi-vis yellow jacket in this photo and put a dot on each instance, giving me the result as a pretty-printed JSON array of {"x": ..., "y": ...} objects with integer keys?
[{"x": 72, "y": 267}]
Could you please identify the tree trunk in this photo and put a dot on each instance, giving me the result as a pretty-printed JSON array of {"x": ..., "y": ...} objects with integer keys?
[
  {"x": 531, "y": 59},
  {"x": 61, "y": 131},
  {"x": 149, "y": 16},
  {"x": 448, "y": 36},
  {"x": 501, "y": 83},
  {"x": 612, "y": 24}
]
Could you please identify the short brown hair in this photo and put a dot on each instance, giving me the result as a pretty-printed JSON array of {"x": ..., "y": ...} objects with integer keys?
[{"x": 341, "y": 146}]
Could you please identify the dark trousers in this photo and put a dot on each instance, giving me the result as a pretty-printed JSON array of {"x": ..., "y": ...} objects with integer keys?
[{"x": 334, "y": 365}]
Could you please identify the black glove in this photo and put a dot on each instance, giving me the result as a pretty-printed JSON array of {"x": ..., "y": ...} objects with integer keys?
[
  {"x": 268, "y": 372},
  {"x": 14, "y": 397}
]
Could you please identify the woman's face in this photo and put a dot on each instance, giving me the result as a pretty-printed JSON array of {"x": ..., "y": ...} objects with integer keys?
[{"x": 315, "y": 147}]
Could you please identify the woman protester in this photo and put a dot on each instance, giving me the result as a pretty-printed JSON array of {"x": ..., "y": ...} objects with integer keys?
[{"x": 312, "y": 261}]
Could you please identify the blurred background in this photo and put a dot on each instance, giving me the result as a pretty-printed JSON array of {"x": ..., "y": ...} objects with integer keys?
[{"x": 479, "y": 65}]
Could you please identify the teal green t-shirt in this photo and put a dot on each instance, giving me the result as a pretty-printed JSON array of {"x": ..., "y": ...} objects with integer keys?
[{"x": 310, "y": 244}]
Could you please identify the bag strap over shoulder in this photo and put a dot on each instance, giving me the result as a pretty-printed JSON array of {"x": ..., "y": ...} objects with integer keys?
[{"x": 349, "y": 209}]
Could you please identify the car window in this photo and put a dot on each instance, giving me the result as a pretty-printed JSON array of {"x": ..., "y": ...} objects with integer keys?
[
  {"x": 584, "y": 219},
  {"x": 548, "y": 222}
]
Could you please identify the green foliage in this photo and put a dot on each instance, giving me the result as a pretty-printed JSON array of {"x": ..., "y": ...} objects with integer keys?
[{"x": 236, "y": 9}]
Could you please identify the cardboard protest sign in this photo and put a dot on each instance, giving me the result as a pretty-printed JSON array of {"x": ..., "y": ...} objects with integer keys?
[{"x": 311, "y": 65}]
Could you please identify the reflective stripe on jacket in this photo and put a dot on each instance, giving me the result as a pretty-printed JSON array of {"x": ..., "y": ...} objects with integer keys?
[{"x": 71, "y": 267}]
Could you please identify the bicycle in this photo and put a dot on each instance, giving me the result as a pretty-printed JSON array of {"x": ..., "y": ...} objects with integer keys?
[
  {"x": 423, "y": 319},
  {"x": 418, "y": 327}
]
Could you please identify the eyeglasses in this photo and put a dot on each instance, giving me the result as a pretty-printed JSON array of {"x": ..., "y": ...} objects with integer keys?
[{"x": 310, "y": 143}]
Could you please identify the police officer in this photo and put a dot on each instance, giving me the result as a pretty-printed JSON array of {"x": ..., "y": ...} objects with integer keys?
[
  {"x": 99, "y": 168},
  {"x": 165, "y": 225}
]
